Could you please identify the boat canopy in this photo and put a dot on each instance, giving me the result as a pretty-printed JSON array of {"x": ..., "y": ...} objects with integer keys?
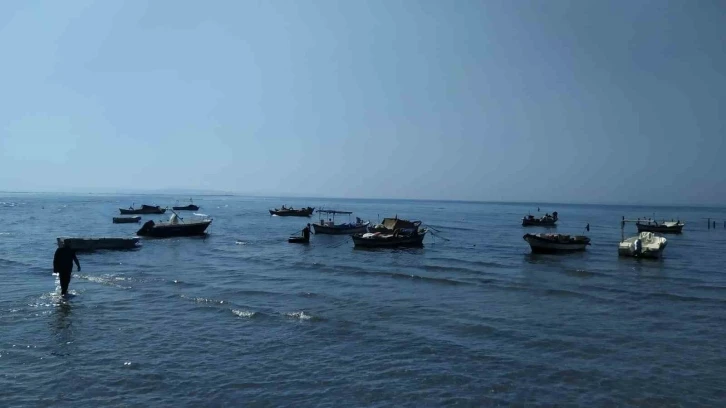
[{"x": 395, "y": 223}]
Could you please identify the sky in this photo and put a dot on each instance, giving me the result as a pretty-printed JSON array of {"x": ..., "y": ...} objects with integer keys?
[{"x": 541, "y": 101}]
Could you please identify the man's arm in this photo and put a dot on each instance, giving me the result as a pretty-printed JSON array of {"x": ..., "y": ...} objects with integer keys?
[
  {"x": 55, "y": 261},
  {"x": 78, "y": 265}
]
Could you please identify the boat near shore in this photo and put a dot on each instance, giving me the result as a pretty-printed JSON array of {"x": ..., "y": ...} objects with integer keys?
[
  {"x": 545, "y": 221},
  {"x": 292, "y": 212},
  {"x": 145, "y": 209},
  {"x": 97, "y": 243},
  {"x": 663, "y": 227},
  {"x": 553, "y": 243},
  {"x": 190, "y": 207},
  {"x": 175, "y": 227},
  {"x": 331, "y": 228},
  {"x": 644, "y": 245}
]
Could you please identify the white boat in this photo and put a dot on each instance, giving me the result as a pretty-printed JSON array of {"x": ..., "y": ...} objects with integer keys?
[
  {"x": 92, "y": 244},
  {"x": 551, "y": 243},
  {"x": 645, "y": 245}
]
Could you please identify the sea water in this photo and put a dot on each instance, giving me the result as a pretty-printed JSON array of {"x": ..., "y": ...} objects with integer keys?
[{"x": 242, "y": 318}]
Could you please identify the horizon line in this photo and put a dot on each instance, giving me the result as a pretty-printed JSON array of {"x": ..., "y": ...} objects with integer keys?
[{"x": 212, "y": 193}]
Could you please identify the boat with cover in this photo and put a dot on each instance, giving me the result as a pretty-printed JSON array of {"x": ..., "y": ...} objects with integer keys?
[
  {"x": 126, "y": 220},
  {"x": 176, "y": 227},
  {"x": 664, "y": 227},
  {"x": 190, "y": 207},
  {"x": 389, "y": 225},
  {"x": 145, "y": 209},
  {"x": 546, "y": 221},
  {"x": 331, "y": 228},
  {"x": 97, "y": 243},
  {"x": 551, "y": 243},
  {"x": 292, "y": 212},
  {"x": 645, "y": 245}
]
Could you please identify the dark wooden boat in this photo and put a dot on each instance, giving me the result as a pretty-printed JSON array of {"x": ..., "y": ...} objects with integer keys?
[
  {"x": 291, "y": 212},
  {"x": 98, "y": 243},
  {"x": 389, "y": 225},
  {"x": 396, "y": 240},
  {"x": 145, "y": 209},
  {"x": 331, "y": 228},
  {"x": 190, "y": 207},
  {"x": 668, "y": 227},
  {"x": 298, "y": 240},
  {"x": 546, "y": 221},
  {"x": 126, "y": 220},
  {"x": 171, "y": 229},
  {"x": 552, "y": 243}
]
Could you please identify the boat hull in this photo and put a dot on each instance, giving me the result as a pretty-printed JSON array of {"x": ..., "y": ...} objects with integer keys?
[
  {"x": 298, "y": 240},
  {"x": 190, "y": 207},
  {"x": 126, "y": 220},
  {"x": 166, "y": 230},
  {"x": 646, "y": 253},
  {"x": 306, "y": 212},
  {"x": 663, "y": 229},
  {"x": 546, "y": 246},
  {"x": 538, "y": 223},
  {"x": 94, "y": 244},
  {"x": 411, "y": 241},
  {"x": 152, "y": 210},
  {"x": 340, "y": 229}
]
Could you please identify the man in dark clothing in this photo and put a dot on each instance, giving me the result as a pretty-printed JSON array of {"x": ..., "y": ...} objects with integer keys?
[
  {"x": 306, "y": 232},
  {"x": 63, "y": 264}
]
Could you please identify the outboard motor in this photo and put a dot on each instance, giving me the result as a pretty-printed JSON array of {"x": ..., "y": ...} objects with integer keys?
[{"x": 148, "y": 225}]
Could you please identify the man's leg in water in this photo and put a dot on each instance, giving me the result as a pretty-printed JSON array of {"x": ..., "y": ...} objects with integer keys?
[{"x": 65, "y": 279}]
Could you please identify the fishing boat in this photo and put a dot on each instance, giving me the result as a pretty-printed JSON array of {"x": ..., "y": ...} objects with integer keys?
[
  {"x": 550, "y": 243},
  {"x": 644, "y": 245},
  {"x": 126, "y": 220},
  {"x": 175, "y": 227},
  {"x": 190, "y": 207},
  {"x": 546, "y": 221},
  {"x": 389, "y": 225},
  {"x": 664, "y": 227},
  {"x": 399, "y": 239},
  {"x": 331, "y": 228},
  {"x": 145, "y": 209},
  {"x": 97, "y": 243},
  {"x": 292, "y": 212}
]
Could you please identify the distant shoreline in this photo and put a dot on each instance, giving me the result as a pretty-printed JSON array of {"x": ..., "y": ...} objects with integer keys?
[{"x": 293, "y": 197}]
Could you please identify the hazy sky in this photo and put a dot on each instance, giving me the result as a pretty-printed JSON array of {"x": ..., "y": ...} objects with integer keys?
[{"x": 583, "y": 101}]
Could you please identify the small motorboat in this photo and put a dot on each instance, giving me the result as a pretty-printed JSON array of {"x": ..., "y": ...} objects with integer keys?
[
  {"x": 299, "y": 240},
  {"x": 399, "y": 239},
  {"x": 93, "y": 244},
  {"x": 292, "y": 212},
  {"x": 665, "y": 227},
  {"x": 126, "y": 220},
  {"x": 331, "y": 228},
  {"x": 145, "y": 209},
  {"x": 176, "y": 227},
  {"x": 550, "y": 243},
  {"x": 190, "y": 207},
  {"x": 645, "y": 245},
  {"x": 546, "y": 221}
]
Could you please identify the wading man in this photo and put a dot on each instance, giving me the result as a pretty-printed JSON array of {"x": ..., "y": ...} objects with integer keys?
[{"x": 63, "y": 264}]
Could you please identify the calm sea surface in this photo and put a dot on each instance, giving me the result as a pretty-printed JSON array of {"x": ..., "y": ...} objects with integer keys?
[{"x": 472, "y": 319}]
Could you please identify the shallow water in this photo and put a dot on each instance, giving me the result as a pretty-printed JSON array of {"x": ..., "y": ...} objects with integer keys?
[{"x": 472, "y": 319}]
